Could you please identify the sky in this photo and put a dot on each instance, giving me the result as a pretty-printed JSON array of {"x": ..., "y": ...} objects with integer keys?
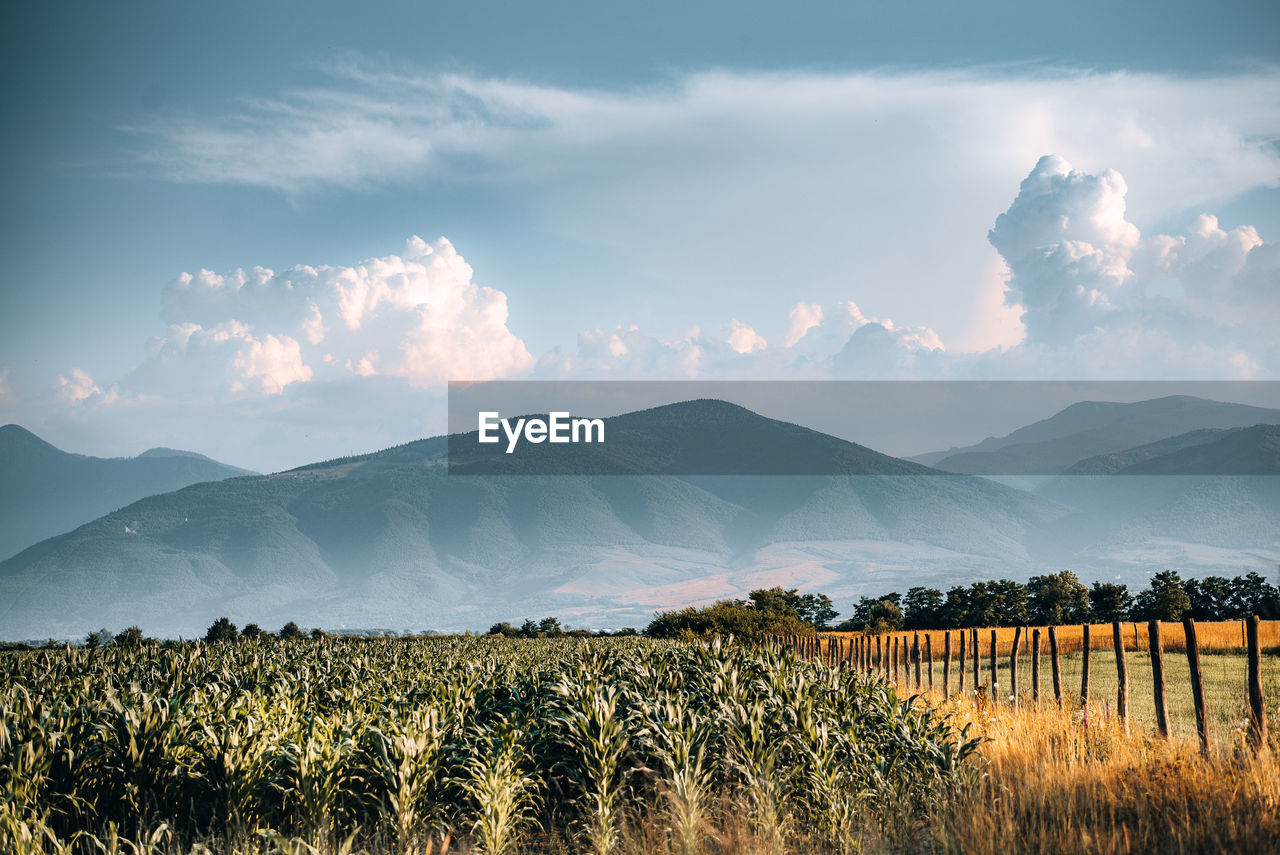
[{"x": 272, "y": 233}]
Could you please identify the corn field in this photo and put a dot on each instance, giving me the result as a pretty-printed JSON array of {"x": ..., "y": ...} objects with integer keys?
[{"x": 467, "y": 745}]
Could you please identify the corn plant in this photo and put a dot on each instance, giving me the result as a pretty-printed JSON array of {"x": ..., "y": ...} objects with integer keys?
[{"x": 496, "y": 779}]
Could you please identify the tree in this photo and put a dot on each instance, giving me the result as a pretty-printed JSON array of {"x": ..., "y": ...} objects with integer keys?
[
  {"x": 95, "y": 640},
  {"x": 131, "y": 637},
  {"x": 550, "y": 627},
  {"x": 221, "y": 629},
  {"x": 862, "y": 611},
  {"x": 528, "y": 629},
  {"x": 775, "y": 601},
  {"x": 290, "y": 631},
  {"x": 1109, "y": 602},
  {"x": 956, "y": 611},
  {"x": 1252, "y": 595},
  {"x": 815, "y": 610},
  {"x": 1165, "y": 599},
  {"x": 251, "y": 631},
  {"x": 923, "y": 608},
  {"x": 1008, "y": 602},
  {"x": 317, "y": 633},
  {"x": 727, "y": 617},
  {"x": 1057, "y": 598},
  {"x": 884, "y": 616},
  {"x": 504, "y": 629},
  {"x": 1210, "y": 597}
]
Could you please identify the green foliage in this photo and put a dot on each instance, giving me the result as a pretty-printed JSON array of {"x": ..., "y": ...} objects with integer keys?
[
  {"x": 1109, "y": 602},
  {"x": 1057, "y": 598},
  {"x": 394, "y": 743},
  {"x": 1165, "y": 599},
  {"x": 728, "y": 618},
  {"x": 290, "y": 631},
  {"x": 131, "y": 637},
  {"x": 220, "y": 630},
  {"x": 923, "y": 608}
]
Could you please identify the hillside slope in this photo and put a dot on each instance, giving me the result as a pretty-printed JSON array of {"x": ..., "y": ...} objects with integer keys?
[
  {"x": 393, "y": 539},
  {"x": 46, "y": 491}
]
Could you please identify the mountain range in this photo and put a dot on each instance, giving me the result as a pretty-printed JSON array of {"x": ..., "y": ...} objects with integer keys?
[
  {"x": 48, "y": 491},
  {"x": 1090, "y": 429},
  {"x": 397, "y": 539}
]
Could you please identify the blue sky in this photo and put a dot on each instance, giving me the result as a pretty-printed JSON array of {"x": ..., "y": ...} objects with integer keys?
[{"x": 604, "y": 190}]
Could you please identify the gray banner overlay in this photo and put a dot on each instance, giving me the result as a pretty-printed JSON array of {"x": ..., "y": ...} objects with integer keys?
[{"x": 998, "y": 428}]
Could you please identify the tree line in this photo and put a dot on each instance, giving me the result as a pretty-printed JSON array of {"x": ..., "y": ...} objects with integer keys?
[
  {"x": 1048, "y": 599},
  {"x": 1059, "y": 598}
]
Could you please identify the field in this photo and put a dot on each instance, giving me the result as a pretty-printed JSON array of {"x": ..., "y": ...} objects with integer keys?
[
  {"x": 463, "y": 745},
  {"x": 603, "y": 745},
  {"x": 1222, "y": 662}
]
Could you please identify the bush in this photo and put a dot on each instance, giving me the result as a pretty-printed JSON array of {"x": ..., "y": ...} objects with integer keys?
[{"x": 221, "y": 629}]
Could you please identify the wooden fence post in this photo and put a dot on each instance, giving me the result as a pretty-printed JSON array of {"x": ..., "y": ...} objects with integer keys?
[
  {"x": 1084, "y": 671},
  {"x": 1054, "y": 666},
  {"x": 880, "y": 655},
  {"x": 928, "y": 655},
  {"x": 896, "y": 664},
  {"x": 915, "y": 654},
  {"x": 963, "y": 661},
  {"x": 1156, "y": 649},
  {"x": 1035, "y": 665},
  {"x": 1013, "y": 666},
  {"x": 1257, "y": 704},
  {"x": 994, "y": 676},
  {"x": 1122, "y": 676},
  {"x": 976, "y": 663},
  {"x": 1197, "y": 685}
]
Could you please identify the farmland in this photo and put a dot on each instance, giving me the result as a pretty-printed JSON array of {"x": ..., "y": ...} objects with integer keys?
[
  {"x": 461, "y": 745},
  {"x": 487, "y": 745}
]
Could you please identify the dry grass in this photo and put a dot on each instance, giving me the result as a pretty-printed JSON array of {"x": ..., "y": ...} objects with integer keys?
[
  {"x": 1053, "y": 783},
  {"x": 1076, "y": 779}
]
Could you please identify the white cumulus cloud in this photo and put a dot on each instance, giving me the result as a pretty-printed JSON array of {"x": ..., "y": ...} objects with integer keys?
[{"x": 420, "y": 310}]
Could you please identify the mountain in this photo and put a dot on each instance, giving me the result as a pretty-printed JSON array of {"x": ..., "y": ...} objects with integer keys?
[
  {"x": 1092, "y": 428},
  {"x": 395, "y": 539},
  {"x": 46, "y": 491},
  {"x": 1120, "y": 461},
  {"x": 688, "y": 438},
  {"x": 1239, "y": 451}
]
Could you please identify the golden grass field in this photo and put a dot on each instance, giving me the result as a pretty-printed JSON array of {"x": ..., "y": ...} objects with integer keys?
[
  {"x": 1050, "y": 784},
  {"x": 1075, "y": 778}
]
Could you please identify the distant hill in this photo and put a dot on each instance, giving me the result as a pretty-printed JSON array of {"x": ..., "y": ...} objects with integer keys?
[
  {"x": 1237, "y": 451},
  {"x": 46, "y": 491},
  {"x": 1092, "y": 428},
  {"x": 1110, "y": 464},
  {"x": 392, "y": 538},
  {"x": 699, "y": 437}
]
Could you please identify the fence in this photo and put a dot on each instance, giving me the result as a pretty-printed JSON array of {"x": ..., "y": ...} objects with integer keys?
[{"x": 908, "y": 659}]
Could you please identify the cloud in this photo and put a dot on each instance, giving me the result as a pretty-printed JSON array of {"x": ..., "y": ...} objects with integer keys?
[
  {"x": 259, "y": 331},
  {"x": 1077, "y": 292},
  {"x": 743, "y": 339},
  {"x": 1078, "y": 268},
  {"x": 271, "y": 368},
  {"x": 1067, "y": 244},
  {"x": 736, "y": 188},
  {"x": 78, "y": 387},
  {"x": 803, "y": 317}
]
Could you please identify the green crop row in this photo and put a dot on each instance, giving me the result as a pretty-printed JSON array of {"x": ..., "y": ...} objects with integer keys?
[{"x": 503, "y": 745}]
